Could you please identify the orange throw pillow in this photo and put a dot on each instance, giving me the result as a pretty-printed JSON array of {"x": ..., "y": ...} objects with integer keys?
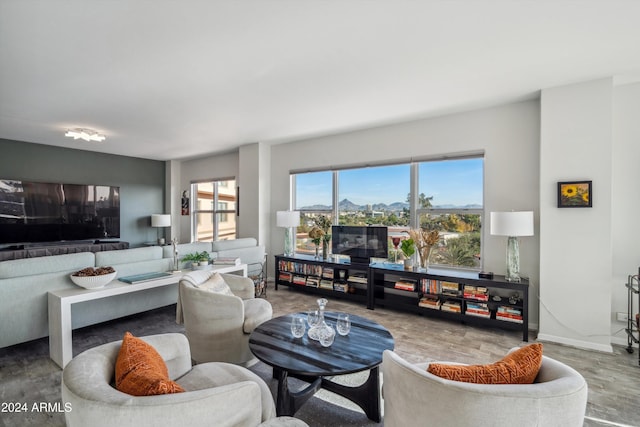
[
  {"x": 518, "y": 367},
  {"x": 141, "y": 371}
]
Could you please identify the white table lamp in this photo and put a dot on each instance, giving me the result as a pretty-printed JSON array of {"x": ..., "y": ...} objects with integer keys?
[
  {"x": 513, "y": 225},
  {"x": 289, "y": 220},
  {"x": 160, "y": 221}
]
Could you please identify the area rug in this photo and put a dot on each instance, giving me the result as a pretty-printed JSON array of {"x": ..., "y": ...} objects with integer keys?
[{"x": 324, "y": 408}]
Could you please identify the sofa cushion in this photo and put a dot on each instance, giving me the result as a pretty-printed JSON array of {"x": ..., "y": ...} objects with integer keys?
[
  {"x": 216, "y": 284},
  {"x": 225, "y": 245},
  {"x": 518, "y": 367},
  {"x": 127, "y": 256},
  {"x": 44, "y": 265},
  {"x": 141, "y": 371}
]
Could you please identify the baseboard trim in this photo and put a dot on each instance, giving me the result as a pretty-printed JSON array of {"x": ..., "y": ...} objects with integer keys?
[{"x": 606, "y": 348}]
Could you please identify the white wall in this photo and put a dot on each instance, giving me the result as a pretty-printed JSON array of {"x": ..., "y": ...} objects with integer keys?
[
  {"x": 625, "y": 200},
  {"x": 575, "y": 244},
  {"x": 508, "y": 135},
  {"x": 255, "y": 191}
]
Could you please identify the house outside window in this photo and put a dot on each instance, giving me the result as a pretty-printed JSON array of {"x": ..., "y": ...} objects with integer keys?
[
  {"x": 213, "y": 214},
  {"x": 446, "y": 195}
]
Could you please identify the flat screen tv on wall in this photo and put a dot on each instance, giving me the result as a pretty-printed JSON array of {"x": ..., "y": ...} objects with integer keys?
[
  {"x": 49, "y": 212},
  {"x": 359, "y": 242}
]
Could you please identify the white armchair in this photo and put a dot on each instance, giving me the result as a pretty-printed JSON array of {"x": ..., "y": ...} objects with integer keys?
[
  {"x": 558, "y": 397},
  {"x": 219, "y": 394},
  {"x": 218, "y": 325}
]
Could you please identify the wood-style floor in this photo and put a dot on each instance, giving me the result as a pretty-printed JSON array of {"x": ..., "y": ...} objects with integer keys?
[{"x": 28, "y": 375}]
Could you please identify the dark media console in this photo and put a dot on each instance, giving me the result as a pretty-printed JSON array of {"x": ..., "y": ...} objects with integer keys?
[{"x": 446, "y": 294}]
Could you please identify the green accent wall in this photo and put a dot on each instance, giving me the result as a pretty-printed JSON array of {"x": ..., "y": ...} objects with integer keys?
[{"x": 141, "y": 181}]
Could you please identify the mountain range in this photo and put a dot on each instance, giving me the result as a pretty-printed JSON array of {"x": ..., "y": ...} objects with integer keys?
[{"x": 347, "y": 205}]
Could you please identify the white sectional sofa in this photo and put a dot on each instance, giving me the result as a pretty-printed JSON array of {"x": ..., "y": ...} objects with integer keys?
[{"x": 24, "y": 284}]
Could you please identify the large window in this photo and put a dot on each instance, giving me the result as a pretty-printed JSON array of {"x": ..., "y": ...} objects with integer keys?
[
  {"x": 313, "y": 197},
  {"x": 214, "y": 207},
  {"x": 446, "y": 195},
  {"x": 450, "y": 200}
]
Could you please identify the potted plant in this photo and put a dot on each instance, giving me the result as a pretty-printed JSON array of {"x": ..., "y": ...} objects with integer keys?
[
  {"x": 408, "y": 248},
  {"x": 201, "y": 258}
]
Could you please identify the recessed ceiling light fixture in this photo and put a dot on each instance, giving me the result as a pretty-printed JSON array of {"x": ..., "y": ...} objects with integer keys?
[{"x": 86, "y": 134}]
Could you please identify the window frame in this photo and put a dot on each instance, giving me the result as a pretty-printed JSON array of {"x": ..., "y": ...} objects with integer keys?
[
  {"x": 415, "y": 211},
  {"x": 217, "y": 214}
]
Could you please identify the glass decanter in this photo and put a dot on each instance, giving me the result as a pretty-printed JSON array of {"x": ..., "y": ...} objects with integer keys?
[{"x": 321, "y": 329}]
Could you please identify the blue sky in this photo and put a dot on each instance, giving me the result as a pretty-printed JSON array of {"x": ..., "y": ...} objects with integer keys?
[{"x": 455, "y": 182}]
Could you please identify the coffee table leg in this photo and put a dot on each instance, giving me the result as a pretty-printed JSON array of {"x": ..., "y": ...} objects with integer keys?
[
  {"x": 366, "y": 396},
  {"x": 287, "y": 402}
]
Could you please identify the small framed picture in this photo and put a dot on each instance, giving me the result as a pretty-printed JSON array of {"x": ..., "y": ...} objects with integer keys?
[{"x": 575, "y": 194}]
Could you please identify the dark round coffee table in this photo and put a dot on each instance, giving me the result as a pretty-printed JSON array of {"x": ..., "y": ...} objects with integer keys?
[{"x": 306, "y": 359}]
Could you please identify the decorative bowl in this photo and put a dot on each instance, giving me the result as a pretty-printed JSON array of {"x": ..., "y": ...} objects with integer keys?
[{"x": 93, "y": 282}]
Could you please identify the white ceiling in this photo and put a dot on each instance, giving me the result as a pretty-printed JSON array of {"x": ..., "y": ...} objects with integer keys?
[{"x": 177, "y": 79}]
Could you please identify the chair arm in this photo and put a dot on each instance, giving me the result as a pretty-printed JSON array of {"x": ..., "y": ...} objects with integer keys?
[
  {"x": 229, "y": 405},
  {"x": 240, "y": 286}
]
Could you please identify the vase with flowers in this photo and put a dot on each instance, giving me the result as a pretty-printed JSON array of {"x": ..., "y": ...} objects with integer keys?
[
  {"x": 316, "y": 234},
  {"x": 424, "y": 240}
]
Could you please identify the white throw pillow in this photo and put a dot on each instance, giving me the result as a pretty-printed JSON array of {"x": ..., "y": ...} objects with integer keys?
[{"x": 216, "y": 284}]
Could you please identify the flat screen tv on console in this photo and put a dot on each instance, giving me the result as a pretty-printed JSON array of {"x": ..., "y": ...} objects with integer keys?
[
  {"x": 359, "y": 242},
  {"x": 47, "y": 212}
]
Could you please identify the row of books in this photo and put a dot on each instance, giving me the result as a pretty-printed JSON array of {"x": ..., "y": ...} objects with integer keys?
[
  {"x": 405, "y": 285},
  {"x": 430, "y": 301},
  {"x": 509, "y": 314},
  {"x": 479, "y": 293},
  {"x": 479, "y": 309},
  {"x": 301, "y": 268},
  {"x": 313, "y": 281}
]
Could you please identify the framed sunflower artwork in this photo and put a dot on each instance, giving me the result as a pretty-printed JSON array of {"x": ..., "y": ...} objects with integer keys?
[{"x": 575, "y": 194}]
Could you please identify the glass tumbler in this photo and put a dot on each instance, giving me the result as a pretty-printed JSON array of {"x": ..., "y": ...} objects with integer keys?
[
  {"x": 327, "y": 335},
  {"x": 343, "y": 324},
  {"x": 297, "y": 326}
]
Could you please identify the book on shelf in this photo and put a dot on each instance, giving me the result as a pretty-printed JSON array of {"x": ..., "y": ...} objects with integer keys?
[
  {"x": 299, "y": 280},
  {"x": 507, "y": 318},
  {"x": 431, "y": 302},
  {"x": 430, "y": 286},
  {"x": 509, "y": 314},
  {"x": 326, "y": 284},
  {"x": 285, "y": 276},
  {"x": 327, "y": 273},
  {"x": 313, "y": 281},
  {"x": 509, "y": 310},
  {"x": 476, "y": 292},
  {"x": 358, "y": 278},
  {"x": 405, "y": 285},
  {"x": 340, "y": 287},
  {"x": 453, "y": 306},
  {"x": 450, "y": 288},
  {"x": 226, "y": 261}
]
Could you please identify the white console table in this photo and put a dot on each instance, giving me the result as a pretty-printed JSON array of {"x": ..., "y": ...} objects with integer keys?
[{"x": 60, "y": 333}]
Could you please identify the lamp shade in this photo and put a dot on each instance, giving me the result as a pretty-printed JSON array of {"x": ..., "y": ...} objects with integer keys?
[
  {"x": 160, "y": 220},
  {"x": 512, "y": 223},
  {"x": 288, "y": 218}
]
